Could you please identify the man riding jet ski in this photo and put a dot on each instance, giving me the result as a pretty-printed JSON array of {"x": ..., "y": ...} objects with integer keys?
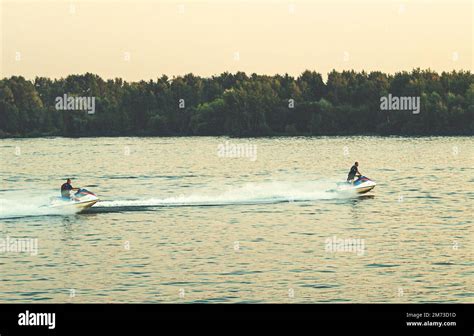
[
  {"x": 81, "y": 199},
  {"x": 361, "y": 185},
  {"x": 66, "y": 189},
  {"x": 353, "y": 172}
]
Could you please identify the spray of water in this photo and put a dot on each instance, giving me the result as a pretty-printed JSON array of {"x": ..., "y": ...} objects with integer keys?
[
  {"x": 30, "y": 203},
  {"x": 21, "y": 204},
  {"x": 250, "y": 193}
]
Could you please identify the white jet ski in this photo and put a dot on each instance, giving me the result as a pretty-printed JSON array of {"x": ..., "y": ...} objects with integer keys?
[
  {"x": 81, "y": 200},
  {"x": 361, "y": 185}
]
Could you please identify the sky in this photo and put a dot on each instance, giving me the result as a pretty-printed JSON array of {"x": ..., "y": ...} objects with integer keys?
[{"x": 144, "y": 39}]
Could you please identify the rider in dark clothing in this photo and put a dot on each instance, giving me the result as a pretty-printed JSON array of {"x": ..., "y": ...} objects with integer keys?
[
  {"x": 66, "y": 189},
  {"x": 353, "y": 172}
]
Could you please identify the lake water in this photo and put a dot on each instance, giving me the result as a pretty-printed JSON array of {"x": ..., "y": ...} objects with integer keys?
[{"x": 180, "y": 220}]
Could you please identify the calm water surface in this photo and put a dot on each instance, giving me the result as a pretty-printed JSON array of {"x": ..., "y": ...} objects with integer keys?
[{"x": 178, "y": 223}]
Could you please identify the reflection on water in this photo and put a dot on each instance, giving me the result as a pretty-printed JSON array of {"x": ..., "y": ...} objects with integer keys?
[{"x": 178, "y": 223}]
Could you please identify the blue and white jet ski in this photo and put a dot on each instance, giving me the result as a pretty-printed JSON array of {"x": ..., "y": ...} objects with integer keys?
[{"x": 362, "y": 185}]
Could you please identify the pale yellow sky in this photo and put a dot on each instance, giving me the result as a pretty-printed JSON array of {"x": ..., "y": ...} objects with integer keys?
[{"x": 143, "y": 39}]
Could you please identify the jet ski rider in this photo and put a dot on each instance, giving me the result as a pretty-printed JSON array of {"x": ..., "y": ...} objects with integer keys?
[
  {"x": 66, "y": 189},
  {"x": 353, "y": 173}
]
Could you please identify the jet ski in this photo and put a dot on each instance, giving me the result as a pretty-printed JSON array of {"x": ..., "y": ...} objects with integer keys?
[
  {"x": 362, "y": 185},
  {"x": 81, "y": 200}
]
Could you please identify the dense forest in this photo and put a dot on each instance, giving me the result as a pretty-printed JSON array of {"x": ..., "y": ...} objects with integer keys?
[{"x": 241, "y": 105}]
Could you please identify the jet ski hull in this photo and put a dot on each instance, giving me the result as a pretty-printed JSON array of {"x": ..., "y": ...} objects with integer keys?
[
  {"x": 363, "y": 190},
  {"x": 75, "y": 205},
  {"x": 83, "y": 200}
]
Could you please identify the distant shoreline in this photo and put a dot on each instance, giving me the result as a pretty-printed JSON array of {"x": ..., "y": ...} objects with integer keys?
[
  {"x": 239, "y": 137},
  {"x": 416, "y": 103}
]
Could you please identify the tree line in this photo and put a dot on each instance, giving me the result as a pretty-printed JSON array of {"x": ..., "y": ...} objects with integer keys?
[{"x": 240, "y": 105}]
